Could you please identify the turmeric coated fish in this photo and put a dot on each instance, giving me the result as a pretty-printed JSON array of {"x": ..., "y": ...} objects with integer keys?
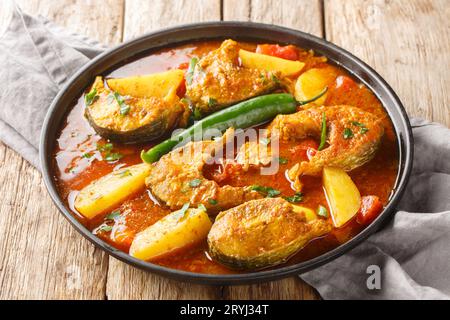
[
  {"x": 218, "y": 80},
  {"x": 177, "y": 178},
  {"x": 352, "y": 138}
]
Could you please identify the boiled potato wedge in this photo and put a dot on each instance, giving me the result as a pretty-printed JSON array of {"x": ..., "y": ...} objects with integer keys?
[
  {"x": 342, "y": 195},
  {"x": 110, "y": 190},
  {"x": 177, "y": 230},
  {"x": 153, "y": 85},
  {"x": 269, "y": 63},
  {"x": 312, "y": 82}
]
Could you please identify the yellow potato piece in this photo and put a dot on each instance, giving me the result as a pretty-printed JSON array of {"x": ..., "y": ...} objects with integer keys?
[
  {"x": 110, "y": 190},
  {"x": 309, "y": 213},
  {"x": 312, "y": 82},
  {"x": 269, "y": 63},
  {"x": 175, "y": 231},
  {"x": 342, "y": 195},
  {"x": 152, "y": 85}
]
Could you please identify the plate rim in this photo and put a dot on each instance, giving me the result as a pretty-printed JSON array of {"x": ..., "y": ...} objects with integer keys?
[{"x": 405, "y": 145}]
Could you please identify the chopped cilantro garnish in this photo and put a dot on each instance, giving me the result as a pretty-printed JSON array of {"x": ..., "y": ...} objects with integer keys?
[
  {"x": 90, "y": 97},
  {"x": 267, "y": 191},
  {"x": 297, "y": 197},
  {"x": 195, "y": 183},
  {"x": 322, "y": 211},
  {"x": 348, "y": 133}
]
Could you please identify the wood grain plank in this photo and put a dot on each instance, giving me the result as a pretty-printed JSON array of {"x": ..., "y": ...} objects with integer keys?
[
  {"x": 304, "y": 15},
  {"x": 406, "y": 41},
  {"x": 142, "y": 17},
  {"x": 41, "y": 255},
  {"x": 125, "y": 282},
  {"x": 98, "y": 19}
]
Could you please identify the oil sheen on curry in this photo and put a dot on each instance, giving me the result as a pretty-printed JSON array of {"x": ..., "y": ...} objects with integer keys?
[{"x": 222, "y": 157}]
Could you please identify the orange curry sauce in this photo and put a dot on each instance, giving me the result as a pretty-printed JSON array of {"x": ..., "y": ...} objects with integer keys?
[{"x": 78, "y": 162}]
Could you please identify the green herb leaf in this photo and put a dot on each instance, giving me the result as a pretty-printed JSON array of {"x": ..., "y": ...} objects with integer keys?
[
  {"x": 195, "y": 183},
  {"x": 282, "y": 160},
  {"x": 358, "y": 124},
  {"x": 113, "y": 215},
  {"x": 323, "y": 134},
  {"x": 264, "y": 141},
  {"x": 322, "y": 211},
  {"x": 212, "y": 201},
  {"x": 190, "y": 71},
  {"x": 363, "y": 127},
  {"x": 202, "y": 207},
  {"x": 105, "y": 147},
  {"x": 86, "y": 155},
  {"x": 348, "y": 133},
  {"x": 181, "y": 213},
  {"x": 297, "y": 197},
  {"x": 124, "y": 108},
  {"x": 212, "y": 102},
  {"x": 275, "y": 79},
  {"x": 90, "y": 97},
  {"x": 105, "y": 228},
  {"x": 321, "y": 93},
  {"x": 267, "y": 191},
  {"x": 113, "y": 156},
  {"x": 197, "y": 114}
]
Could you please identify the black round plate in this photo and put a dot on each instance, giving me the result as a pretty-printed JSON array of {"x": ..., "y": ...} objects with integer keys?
[{"x": 220, "y": 30}]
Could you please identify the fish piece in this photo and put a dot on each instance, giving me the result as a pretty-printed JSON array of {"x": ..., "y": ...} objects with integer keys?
[
  {"x": 262, "y": 233},
  {"x": 131, "y": 119},
  {"x": 219, "y": 80},
  {"x": 177, "y": 178},
  {"x": 353, "y": 137}
]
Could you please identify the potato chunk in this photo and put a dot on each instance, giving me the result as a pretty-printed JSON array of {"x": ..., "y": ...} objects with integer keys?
[
  {"x": 177, "y": 230},
  {"x": 254, "y": 60},
  {"x": 153, "y": 85},
  {"x": 342, "y": 195},
  {"x": 110, "y": 190},
  {"x": 312, "y": 82}
]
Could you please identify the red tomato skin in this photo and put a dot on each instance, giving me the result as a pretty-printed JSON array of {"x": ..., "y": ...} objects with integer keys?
[
  {"x": 371, "y": 207},
  {"x": 286, "y": 52},
  {"x": 181, "y": 91},
  {"x": 344, "y": 84},
  {"x": 183, "y": 66}
]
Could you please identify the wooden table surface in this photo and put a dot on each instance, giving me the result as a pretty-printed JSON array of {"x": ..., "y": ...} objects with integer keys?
[{"x": 43, "y": 257}]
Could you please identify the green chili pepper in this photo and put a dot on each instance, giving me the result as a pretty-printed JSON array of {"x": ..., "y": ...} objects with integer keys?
[{"x": 242, "y": 115}]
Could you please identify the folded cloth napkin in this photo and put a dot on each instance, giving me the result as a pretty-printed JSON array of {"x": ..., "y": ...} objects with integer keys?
[
  {"x": 37, "y": 57},
  {"x": 411, "y": 252}
]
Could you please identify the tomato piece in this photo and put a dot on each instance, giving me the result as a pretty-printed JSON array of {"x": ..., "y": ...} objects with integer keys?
[
  {"x": 371, "y": 207},
  {"x": 344, "y": 84},
  {"x": 181, "y": 91},
  {"x": 287, "y": 52},
  {"x": 183, "y": 66}
]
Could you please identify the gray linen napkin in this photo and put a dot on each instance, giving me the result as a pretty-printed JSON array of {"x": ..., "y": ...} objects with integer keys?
[
  {"x": 37, "y": 58},
  {"x": 412, "y": 251}
]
